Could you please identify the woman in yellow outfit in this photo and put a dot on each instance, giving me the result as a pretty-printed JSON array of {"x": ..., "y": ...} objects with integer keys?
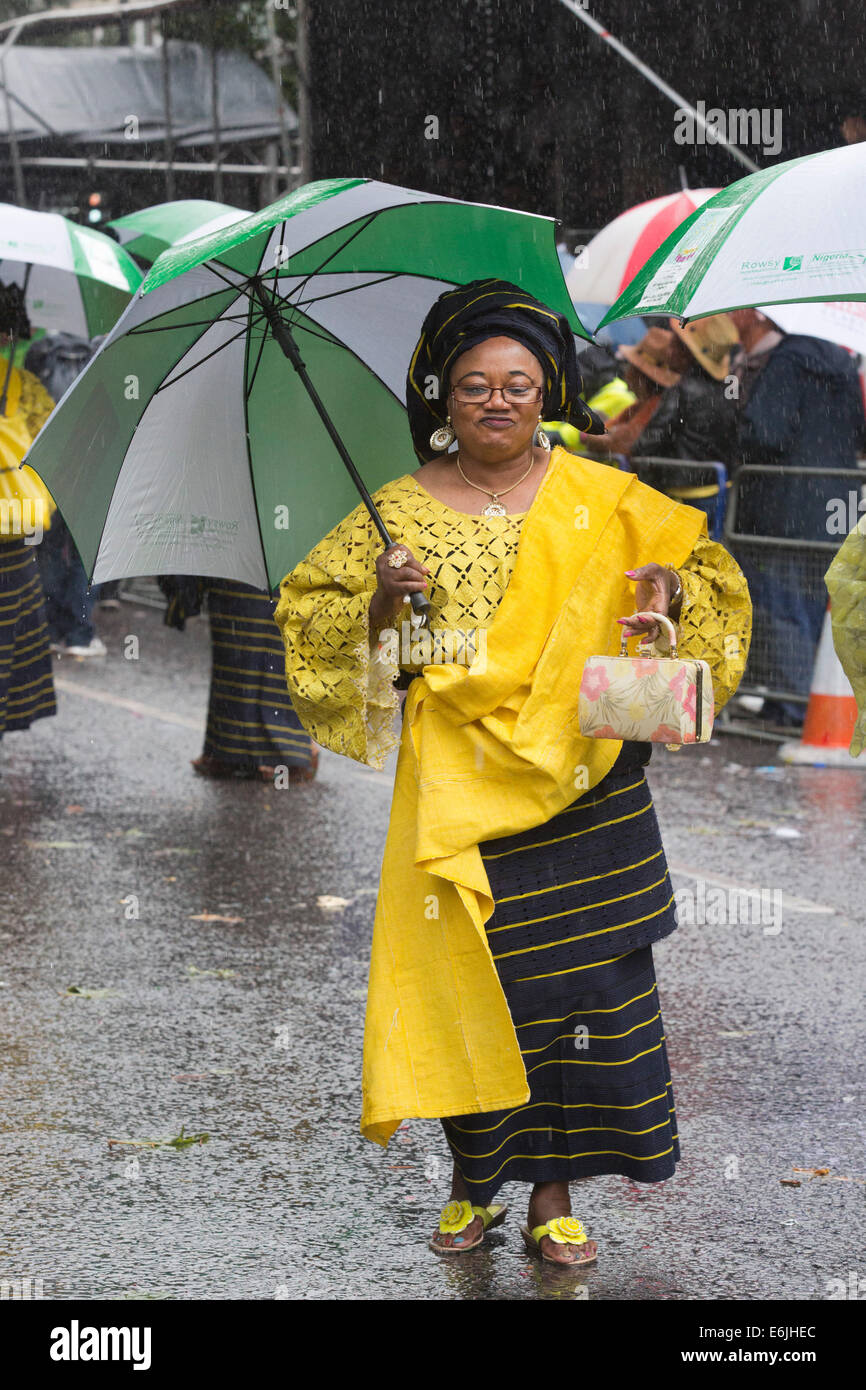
[
  {"x": 26, "y": 678},
  {"x": 512, "y": 992}
]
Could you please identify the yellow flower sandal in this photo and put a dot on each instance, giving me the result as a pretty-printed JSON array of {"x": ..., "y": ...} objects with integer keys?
[
  {"x": 456, "y": 1216},
  {"x": 563, "y": 1230}
]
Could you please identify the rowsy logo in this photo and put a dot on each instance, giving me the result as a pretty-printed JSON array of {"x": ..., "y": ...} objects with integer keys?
[
  {"x": 175, "y": 526},
  {"x": 77, "y": 1343},
  {"x": 823, "y": 262}
]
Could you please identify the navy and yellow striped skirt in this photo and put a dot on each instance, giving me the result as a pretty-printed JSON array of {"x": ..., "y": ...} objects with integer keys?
[
  {"x": 250, "y": 718},
  {"x": 26, "y": 677},
  {"x": 578, "y": 903}
]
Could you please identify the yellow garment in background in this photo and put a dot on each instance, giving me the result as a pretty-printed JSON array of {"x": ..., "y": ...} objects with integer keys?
[
  {"x": 608, "y": 402},
  {"x": 35, "y": 403},
  {"x": 846, "y": 585},
  {"x": 484, "y": 752},
  {"x": 26, "y": 505}
]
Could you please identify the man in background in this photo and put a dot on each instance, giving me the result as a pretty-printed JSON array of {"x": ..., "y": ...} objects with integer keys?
[{"x": 799, "y": 406}]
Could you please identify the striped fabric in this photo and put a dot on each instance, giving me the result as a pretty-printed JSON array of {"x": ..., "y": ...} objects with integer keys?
[
  {"x": 578, "y": 903},
  {"x": 250, "y": 716},
  {"x": 26, "y": 680}
]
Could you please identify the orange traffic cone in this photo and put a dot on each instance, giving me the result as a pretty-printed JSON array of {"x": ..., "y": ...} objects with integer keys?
[{"x": 831, "y": 715}]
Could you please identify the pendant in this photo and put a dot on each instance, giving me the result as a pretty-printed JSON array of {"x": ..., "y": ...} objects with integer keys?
[{"x": 494, "y": 508}]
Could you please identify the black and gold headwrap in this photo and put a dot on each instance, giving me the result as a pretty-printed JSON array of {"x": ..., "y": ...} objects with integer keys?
[{"x": 467, "y": 315}]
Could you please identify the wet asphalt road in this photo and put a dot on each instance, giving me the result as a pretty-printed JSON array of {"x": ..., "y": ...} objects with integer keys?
[{"x": 99, "y": 808}]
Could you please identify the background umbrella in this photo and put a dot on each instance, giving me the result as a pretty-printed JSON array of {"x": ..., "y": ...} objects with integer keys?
[
  {"x": 613, "y": 257},
  {"x": 624, "y": 331},
  {"x": 838, "y": 321},
  {"x": 187, "y": 446},
  {"x": 790, "y": 233},
  {"x": 150, "y": 231},
  {"x": 73, "y": 277}
]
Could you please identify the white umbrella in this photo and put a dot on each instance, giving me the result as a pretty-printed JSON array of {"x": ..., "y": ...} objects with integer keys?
[
  {"x": 791, "y": 233},
  {"x": 839, "y": 321},
  {"x": 74, "y": 278}
]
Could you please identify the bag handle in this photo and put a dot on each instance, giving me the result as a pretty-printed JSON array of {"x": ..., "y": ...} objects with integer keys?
[{"x": 656, "y": 618}]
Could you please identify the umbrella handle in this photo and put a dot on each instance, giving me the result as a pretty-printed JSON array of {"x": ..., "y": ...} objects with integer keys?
[
  {"x": 422, "y": 606},
  {"x": 419, "y": 600}
]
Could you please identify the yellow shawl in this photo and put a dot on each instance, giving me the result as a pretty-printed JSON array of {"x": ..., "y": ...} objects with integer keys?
[{"x": 492, "y": 751}]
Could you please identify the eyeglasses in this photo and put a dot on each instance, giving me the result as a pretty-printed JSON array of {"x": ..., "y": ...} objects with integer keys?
[{"x": 480, "y": 395}]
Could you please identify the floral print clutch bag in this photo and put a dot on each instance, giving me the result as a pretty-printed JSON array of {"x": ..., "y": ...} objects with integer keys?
[{"x": 656, "y": 699}]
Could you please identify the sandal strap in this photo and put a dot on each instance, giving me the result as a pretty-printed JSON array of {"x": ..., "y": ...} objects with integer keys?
[{"x": 573, "y": 1234}]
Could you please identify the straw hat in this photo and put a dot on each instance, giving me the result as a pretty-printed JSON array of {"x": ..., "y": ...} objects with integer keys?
[
  {"x": 650, "y": 356},
  {"x": 710, "y": 341}
]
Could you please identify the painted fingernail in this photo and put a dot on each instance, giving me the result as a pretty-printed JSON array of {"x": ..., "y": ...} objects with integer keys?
[{"x": 630, "y": 574}]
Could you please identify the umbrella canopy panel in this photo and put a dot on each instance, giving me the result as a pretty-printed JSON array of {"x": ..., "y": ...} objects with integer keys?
[{"x": 150, "y": 231}]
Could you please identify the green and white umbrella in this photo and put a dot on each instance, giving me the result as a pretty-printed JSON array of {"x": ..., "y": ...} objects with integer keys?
[
  {"x": 189, "y": 445},
  {"x": 150, "y": 231},
  {"x": 75, "y": 279},
  {"x": 790, "y": 234}
]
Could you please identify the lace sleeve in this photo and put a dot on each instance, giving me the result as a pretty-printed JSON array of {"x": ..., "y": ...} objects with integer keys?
[
  {"x": 846, "y": 585},
  {"x": 716, "y": 618},
  {"x": 339, "y": 679}
]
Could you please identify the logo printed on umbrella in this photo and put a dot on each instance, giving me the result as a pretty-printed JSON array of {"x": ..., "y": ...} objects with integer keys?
[
  {"x": 174, "y": 526},
  {"x": 792, "y": 263}
]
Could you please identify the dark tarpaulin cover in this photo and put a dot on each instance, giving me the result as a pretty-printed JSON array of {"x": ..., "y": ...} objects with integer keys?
[{"x": 88, "y": 95}]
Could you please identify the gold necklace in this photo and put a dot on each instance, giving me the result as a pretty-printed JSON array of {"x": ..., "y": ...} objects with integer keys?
[{"x": 494, "y": 506}]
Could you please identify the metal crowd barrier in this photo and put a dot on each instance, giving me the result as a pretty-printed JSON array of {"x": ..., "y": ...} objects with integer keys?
[
  {"x": 701, "y": 485},
  {"x": 765, "y": 673}
]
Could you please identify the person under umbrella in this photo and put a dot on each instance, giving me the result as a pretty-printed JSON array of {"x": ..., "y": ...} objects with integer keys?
[
  {"x": 647, "y": 375},
  {"x": 26, "y": 681},
  {"x": 53, "y": 363},
  {"x": 800, "y": 406},
  {"x": 252, "y": 730},
  {"x": 512, "y": 991}
]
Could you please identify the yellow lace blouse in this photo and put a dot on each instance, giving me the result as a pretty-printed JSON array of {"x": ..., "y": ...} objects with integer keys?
[{"x": 340, "y": 676}]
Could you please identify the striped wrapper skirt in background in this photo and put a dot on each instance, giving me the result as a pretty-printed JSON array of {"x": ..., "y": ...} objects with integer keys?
[
  {"x": 250, "y": 718},
  {"x": 578, "y": 903},
  {"x": 26, "y": 678}
]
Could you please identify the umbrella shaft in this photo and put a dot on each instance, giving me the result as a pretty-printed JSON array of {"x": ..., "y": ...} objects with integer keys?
[{"x": 283, "y": 335}]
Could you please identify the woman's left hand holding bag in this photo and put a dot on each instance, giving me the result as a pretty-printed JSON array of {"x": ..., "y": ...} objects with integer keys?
[{"x": 658, "y": 588}]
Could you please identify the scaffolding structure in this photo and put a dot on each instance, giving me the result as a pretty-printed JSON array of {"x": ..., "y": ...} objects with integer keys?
[{"x": 286, "y": 162}]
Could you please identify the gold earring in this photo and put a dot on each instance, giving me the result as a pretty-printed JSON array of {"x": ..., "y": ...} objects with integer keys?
[
  {"x": 442, "y": 438},
  {"x": 543, "y": 439}
]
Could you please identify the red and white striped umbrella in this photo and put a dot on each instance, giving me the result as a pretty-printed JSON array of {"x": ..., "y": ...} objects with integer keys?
[{"x": 618, "y": 251}]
